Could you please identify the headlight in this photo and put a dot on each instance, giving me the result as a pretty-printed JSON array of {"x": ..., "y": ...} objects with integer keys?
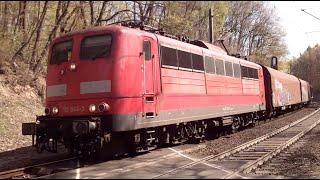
[
  {"x": 73, "y": 66},
  {"x": 92, "y": 108},
  {"x": 103, "y": 107},
  {"x": 47, "y": 111},
  {"x": 55, "y": 110}
]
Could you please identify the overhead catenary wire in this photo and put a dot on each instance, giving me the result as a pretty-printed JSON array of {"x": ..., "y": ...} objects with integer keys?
[
  {"x": 298, "y": 10},
  {"x": 304, "y": 10}
]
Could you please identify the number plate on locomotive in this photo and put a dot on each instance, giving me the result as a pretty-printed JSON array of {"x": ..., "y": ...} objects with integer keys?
[{"x": 73, "y": 108}]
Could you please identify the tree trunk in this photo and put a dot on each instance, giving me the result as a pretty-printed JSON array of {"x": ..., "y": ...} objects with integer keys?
[
  {"x": 82, "y": 14},
  {"x": 23, "y": 15},
  {"x": 35, "y": 46},
  {"x": 91, "y": 12},
  {"x": 18, "y": 19},
  {"x": 57, "y": 14},
  {"x": 51, "y": 35},
  {"x": 5, "y": 19},
  {"x": 75, "y": 9},
  {"x": 74, "y": 22},
  {"x": 44, "y": 11},
  {"x": 98, "y": 22}
]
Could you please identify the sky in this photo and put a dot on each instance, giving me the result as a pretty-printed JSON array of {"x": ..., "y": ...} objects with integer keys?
[{"x": 302, "y": 29}]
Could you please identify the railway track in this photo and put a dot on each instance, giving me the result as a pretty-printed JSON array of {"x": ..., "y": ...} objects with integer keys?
[
  {"x": 35, "y": 170},
  {"x": 274, "y": 166},
  {"x": 254, "y": 153}
]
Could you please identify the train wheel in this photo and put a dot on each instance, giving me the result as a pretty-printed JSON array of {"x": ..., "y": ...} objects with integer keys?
[
  {"x": 40, "y": 144},
  {"x": 253, "y": 123},
  {"x": 218, "y": 134},
  {"x": 71, "y": 151},
  {"x": 132, "y": 150},
  {"x": 235, "y": 125}
]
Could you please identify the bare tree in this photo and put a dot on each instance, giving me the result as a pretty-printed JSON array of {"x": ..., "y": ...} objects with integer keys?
[
  {"x": 21, "y": 18},
  {"x": 98, "y": 21},
  {"x": 64, "y": 9},
  {"x": 255, "y": 31},
  {"x": 83, "y": 16},
  {"x": 38, "y": 33},
  {"x": 39, "y": 23},
  {"x": 5, "y": 19}
]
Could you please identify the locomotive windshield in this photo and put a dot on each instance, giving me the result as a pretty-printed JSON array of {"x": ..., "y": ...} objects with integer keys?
[
  {"x": 61, "y": 52},
  {"x": 93, "y": 47}
]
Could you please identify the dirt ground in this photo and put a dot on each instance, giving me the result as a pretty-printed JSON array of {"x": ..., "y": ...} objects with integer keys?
[
  {"x": 305, "y": 161},
  {"x": 17, "y": 106}
]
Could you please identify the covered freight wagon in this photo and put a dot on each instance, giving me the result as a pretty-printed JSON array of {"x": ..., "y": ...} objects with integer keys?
[
  {"x": 282, "y": 90},
  {"x": 305, "y": 91}
]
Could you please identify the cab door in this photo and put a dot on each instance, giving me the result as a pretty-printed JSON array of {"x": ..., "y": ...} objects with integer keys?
[{"x": 149, "y": 77}]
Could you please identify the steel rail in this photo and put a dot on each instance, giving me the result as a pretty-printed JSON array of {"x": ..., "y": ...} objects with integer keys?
[
  {"x": 244, "y": 146},
  {"x": 22, "y": 171}
]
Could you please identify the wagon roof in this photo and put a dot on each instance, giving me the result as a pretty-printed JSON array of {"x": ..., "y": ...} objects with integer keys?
[{"x": 281, "y": 75}]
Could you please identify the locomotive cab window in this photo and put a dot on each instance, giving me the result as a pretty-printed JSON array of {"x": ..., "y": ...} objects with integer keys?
[
  {"x": 147, "y": 50},
  {"x": 61, "y": 52},
  {"x": 93, "y": 47}
]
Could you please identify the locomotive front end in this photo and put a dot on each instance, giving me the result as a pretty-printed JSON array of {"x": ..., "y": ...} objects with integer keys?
[{"x": 80, "y": 95}]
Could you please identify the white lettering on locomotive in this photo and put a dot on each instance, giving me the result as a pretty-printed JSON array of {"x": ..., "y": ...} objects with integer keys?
[
  {"x": 227, "y": 108},
  {"x": 73, "y": 108}
]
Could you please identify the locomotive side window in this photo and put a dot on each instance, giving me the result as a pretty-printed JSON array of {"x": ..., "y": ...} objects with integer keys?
[
  {"x": 147, "y": 50},
  {"x": 197, "y": 62},
  {"x": 255, "y": 73},
  {"x": 61, "y": 52},
  {"x": 210, "y": 67},
  {"x": 93, "y": 47},
  {"x": 244, "y": 71},
  {"x": 248, "y": 72},
  {"x": 220, "y": 67},
  {"x": 168, "y": 56},
  {"x": 184, "y": 59},
  {"x": 236, "y": 70},
  {"x": 229, "y": 71}
]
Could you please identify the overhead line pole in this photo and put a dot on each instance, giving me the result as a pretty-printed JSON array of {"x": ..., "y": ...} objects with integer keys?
[{"x": 210, "y": 26}]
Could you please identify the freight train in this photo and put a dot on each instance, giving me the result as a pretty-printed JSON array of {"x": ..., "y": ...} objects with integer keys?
[{"x": 130, "y": 88}]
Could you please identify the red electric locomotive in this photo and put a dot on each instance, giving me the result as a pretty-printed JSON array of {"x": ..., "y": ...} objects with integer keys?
[{"x": 116, "y": 86}]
